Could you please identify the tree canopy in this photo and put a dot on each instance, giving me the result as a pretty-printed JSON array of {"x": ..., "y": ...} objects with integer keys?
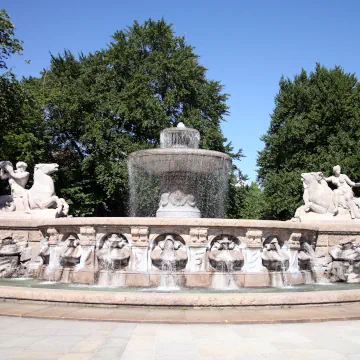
[
  {"x": 88, "y": 112},
  {"x": 22, "y": 129},
  {"x": 9, "y": 44},
  {"x": 314, "y": 126}
]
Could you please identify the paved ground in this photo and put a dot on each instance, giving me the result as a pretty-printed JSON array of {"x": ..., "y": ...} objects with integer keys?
[{"x": 40, "y": 339}]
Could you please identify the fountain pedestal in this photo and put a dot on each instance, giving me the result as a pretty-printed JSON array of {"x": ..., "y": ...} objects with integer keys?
[{"x": 177, "y": 205}]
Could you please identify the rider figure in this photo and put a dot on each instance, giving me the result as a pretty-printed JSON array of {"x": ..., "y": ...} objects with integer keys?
[
  {"x": 17, "y": 180},
  {"x": 344, "y": 188}
]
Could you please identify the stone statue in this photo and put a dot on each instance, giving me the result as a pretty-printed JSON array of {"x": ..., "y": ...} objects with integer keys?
[
  {"x": 41, "y": 195},
  {"x": 169, "y": 253},
  {"x": 274, "y": 258},
  {"x": 17, "y": 180},
  {"x": 225, "y": 254},
  {"x": 321, "y": 202},
  {"x": 306, "y": 257},
  {"x": 114, "y": 252},
  {"x": 70, "y": 252}
]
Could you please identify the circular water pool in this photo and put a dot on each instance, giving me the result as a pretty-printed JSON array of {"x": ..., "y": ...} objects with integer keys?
[{"x": 40, "y": 284}]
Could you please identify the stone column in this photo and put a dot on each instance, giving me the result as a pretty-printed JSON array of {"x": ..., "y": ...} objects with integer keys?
[
  {"x": 139, "y": 257},
  {"x": 196, "y": 268},
  {"x": 255, "y": 273},
  {"x": 84, "y": 272}
]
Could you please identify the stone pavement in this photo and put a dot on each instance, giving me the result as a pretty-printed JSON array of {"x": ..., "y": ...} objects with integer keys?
[{"x": 41, "y": 339}]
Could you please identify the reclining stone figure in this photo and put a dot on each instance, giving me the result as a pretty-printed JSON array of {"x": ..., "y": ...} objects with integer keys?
[{"x": 319, "y": 198}]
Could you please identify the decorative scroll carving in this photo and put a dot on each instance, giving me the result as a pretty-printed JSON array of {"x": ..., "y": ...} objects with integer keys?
[
  {"x": 140, "y": 236},
  {"x": 254, "y": 238},
  {"x": 87, "y": 235},
  {"x": 198, "y": 236}
]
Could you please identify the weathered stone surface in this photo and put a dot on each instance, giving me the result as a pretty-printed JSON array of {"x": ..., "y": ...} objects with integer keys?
[{"x": 345, "y": 264}]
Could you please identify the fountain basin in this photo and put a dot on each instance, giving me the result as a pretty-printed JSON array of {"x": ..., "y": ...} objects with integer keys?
[
  {"x": 262, "y": 297},
  {"x": 182, "y": 180},
  {"x": 188, "y": 161}
]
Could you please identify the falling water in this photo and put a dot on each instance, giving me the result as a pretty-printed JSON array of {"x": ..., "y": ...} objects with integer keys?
[
  {"x": 283, "y": 274},
  {"x": 284, "y": 278},
  {"x": 315, "y": 266},
  {"x": 224, "y": 278},
  {"x": 179, "y": 137},
  {"x": 84, "y": 256},
  {"x": 110, "y": 276},
  {"x": 178, "y": 165},
  {"x": 168, "y": 279}
]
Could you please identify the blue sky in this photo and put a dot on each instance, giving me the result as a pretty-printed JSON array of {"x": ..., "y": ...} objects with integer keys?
[{"x": 247, "y": 45}]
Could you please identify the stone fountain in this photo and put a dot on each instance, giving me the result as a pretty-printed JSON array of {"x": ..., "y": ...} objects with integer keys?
[
  {"x": 187, "y": 182},
  {"x": 177, "y": 236}
]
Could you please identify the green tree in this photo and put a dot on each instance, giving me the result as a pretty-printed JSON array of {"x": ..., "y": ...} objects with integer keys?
[
  {"x": 238, "y": 190},
  {"x": 9, "y": 45},
  {"x": 315, "y": 125},
  {"x": 22, "y": 134},
  {"x": 102, "y": 106},
  {"x": 254, "y": 203}
]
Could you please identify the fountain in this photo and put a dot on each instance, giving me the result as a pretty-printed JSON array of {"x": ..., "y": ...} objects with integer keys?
[
  {"x": 275, "y": 258},
  {"x": 70, "y": 252},
  {"x": 113, "y": 257},
  {"x": 169, "y": 255},
  {"x": 177, "y": 237},
  {"x": 225, "y": 257},
  {"x": 187, "y": 182}
]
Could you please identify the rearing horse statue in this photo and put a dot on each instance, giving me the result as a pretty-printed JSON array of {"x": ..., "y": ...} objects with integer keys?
[{"x": 42, "y": 193}]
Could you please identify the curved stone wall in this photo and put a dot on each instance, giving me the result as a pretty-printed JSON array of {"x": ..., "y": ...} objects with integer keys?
[{"x": 72, "y": 247}]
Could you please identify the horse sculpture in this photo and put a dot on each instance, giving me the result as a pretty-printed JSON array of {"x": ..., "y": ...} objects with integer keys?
[
  {"x": 319, "y": 197},
  {"x": 42, "y": 193}
]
